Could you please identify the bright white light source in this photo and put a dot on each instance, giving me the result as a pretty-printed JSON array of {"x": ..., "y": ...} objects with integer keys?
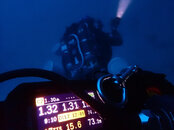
[{"x": 122, "y": 6}]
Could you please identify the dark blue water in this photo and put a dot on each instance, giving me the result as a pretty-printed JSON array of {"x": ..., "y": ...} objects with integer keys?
[{"x": 30, "y": 29}]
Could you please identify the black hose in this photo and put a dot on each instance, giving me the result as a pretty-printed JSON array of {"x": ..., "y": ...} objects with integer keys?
[{"x": 20, "y": 73}]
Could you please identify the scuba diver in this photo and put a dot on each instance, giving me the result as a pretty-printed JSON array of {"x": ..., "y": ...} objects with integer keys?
[{"x": 85, "y": 49}]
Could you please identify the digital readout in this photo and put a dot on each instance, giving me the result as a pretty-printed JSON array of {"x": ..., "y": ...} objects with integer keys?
[
  {"x": 71, "y": 115},
  {"x": 66, "y": 112}
]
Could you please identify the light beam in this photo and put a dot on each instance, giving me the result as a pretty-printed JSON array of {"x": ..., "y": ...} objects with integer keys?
[{"x": 122, "y": 6}]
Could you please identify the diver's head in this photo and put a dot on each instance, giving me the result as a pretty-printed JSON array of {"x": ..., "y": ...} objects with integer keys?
[{"x": 82, "y": 50}]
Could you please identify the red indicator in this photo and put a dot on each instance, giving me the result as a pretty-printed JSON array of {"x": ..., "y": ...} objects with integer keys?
[{"x": 153, "y": 91}]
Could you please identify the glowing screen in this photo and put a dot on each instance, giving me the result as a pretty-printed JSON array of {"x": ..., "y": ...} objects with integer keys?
[{"x": 66, "y": 112}]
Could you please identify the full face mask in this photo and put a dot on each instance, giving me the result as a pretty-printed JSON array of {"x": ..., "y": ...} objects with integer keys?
[{"x": 85, "y": 49}]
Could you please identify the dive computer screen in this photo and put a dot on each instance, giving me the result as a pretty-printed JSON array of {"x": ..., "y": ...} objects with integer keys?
[{"x": 66, "y": 112}]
